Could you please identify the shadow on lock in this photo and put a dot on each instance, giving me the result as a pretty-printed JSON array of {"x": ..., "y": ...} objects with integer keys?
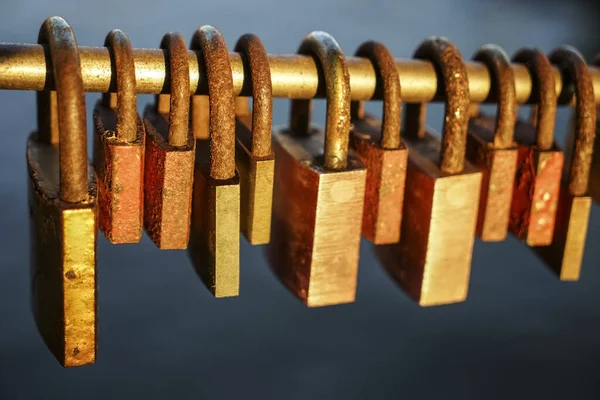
[
  {"x": 318, "y": 204},
  {"x": 565, "y": 252},
  {"x": 540, "y": 161},
  {"x": 215, "y": 237},
  {"x": 491, "y": 148},
  {"x": 62, "y": 201},
  {"x": 170, "y": 151},
  {"x": 433, "y": 259},
  {"x": 119, "y": 150},
  {"x": 380, "y": 148}
]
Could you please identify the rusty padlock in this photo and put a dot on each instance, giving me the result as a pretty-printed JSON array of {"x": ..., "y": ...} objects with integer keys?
[
  {"x": 433, "y": 259},
  {"x": 318, "y": 203},
  {"x": 565, "y": 253},
  {"x": 170, "y": 151},
  {"x": 491, "y": 148},
  {"x": 540, "y": 161},
  {"x": 63, "y": 211},
  {"x": 254, "y": 158},
  {"x": 215, "y": 239},
  {"x": 380, "y": 148},
  {"x": 119, "y": 150}
]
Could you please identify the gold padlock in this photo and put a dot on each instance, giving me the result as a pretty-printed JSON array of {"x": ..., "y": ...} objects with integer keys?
[
  {"x": 540, "y": 161},
  {"x": 62, "y": 202},
  {"x": 254, "y": 158},
  {"x": 433, "y": 259},
  {"x": 170, "y": 151},
  {"x": 215, "y": 239},
  {"x": 380, "y": 148},
  {"x": 565, "y": 253},
  {"x": 119, "y": 150},
  {"x": 491, "y": 148},
  {"x": 318, "y": 201}
]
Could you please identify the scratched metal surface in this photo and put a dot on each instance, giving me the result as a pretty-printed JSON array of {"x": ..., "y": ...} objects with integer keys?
[{"x": 521, "y": 333}]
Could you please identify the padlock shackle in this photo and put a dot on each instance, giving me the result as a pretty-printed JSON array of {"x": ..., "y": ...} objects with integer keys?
[
  {"x": 121, "y": 54},
  {"x": 64, "y": 56},
  {"x": 179, "y": 73},
  {"x": 453, "y": 79},
  {"x": 253, "y": 51},
  {"x": 543, "y": 93},
  {"x": 503, "y": 81},
  {"x": 329, "y": 57},
  {"x": 389, "y": 80},
  {"x": 215, "y": 57},
  {"x": 575, "y": 70}
]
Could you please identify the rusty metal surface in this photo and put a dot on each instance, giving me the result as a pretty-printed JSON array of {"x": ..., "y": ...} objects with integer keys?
[{"x": 491, "y": 148}]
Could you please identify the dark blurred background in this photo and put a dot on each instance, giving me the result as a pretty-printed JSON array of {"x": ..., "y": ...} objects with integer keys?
[{"x": 520, "y": 334}]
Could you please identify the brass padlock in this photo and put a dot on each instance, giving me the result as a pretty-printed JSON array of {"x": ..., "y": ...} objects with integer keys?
[
  {"x": 565, "y": 253},
  {"x": 170, "y": 151},
  {"x": 62, "y": 201},
  {"x": 119, "y": 150},
  {"x": 594, "y": 185},
  {"x": 432, "y": 261},
  {"x": 491, "y": 148},
  {"x": 540, "y": 161},
  {"x": 215, "y": 238},
  {"x": 254, "y": 158},
  {"x": 318, "y": 201},
  {"x": 380, "y": 148}
]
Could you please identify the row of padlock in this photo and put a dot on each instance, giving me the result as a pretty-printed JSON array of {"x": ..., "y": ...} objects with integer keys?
[{"x": 195, "y": 178}]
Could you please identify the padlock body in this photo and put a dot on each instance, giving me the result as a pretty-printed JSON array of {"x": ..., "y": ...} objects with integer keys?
[
  {"x": 432, "y": 262},
  {"x": 63, "y": 259},
  {"x": 120, "y": 172},
  {"x": 565, "y": 254},
  {"x": 386, "y": 175},
  {"x": 317, "y": 217},
  {"x": 594, "y": 185},
  {"x": 256, "y": 185},
  {"x": 168, "y": 184},
  {"x": 536, "y": 189},
  {"x": 214, "y": 246},
  {"x": 498, "y": 168}
]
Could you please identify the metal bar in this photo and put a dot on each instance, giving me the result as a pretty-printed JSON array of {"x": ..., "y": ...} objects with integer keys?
[{"x": 24, "y": 67}]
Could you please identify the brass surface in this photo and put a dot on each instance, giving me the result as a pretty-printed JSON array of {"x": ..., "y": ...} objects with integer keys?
[
  {"x": 317, "y": 217},
  {"x": 378, "y": 144},
  {"x": 23, "y": 67},
  {"x": 119, "y": 151},
  {"x": 215, "y": 240},
  {"x": 491, "y": 148},
  {"x": 169, "y": 162},
  {"x": 63, "y": 259}
]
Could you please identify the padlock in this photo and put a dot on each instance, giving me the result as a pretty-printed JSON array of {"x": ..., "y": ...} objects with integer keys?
[
  {"x": 254, "y": 158},
  {"x": 119, "y": 150},
  {"x": 319, "y": 198},
  {"x": 565, "y": 253},
  {"x": 594, "y": 185},
  {"x": 215, "y": 237},
  {"x": 539, "y": 161},
  {"x": 380, "y": 148},
  {"x": 491, "y": 148},
  {"x": 62, "y": 205},
  {"x": 169, "y": 158},
  {"x": 433, "y": 259}
]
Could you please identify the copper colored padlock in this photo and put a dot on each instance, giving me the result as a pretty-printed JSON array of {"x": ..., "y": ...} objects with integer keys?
[
  {"x": 170, "y": 151},
  {"x": 215, "y": 238},
  {"x": 565, "y": 253},
  {"x": 254, "y": 158},
  {"x": 119, "y": 150},
  {"x": 318, "y": 201},
  {"x": 540, "y": 161},
  {"x": 491, "y": 148},
  {"x": 62, "y": 201},
  {"x": 433, "y": 259},
  {"x": 380, "y": 148}
]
